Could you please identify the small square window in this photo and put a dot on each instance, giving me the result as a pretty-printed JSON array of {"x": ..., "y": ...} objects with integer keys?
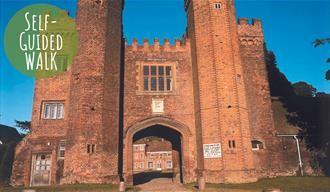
[
  {"x": 256, "y": 145},
  {"x": 231, "y": 144},
  {"x": 217, "y": 5},
  {"x": 61, "y": 149},
  {"x": 90, "y": 148}
]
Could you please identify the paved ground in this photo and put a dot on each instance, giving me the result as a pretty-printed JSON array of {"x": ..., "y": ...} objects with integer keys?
[
  {"x": 166, "y": 185},
  {"x": 162, "y": 185}
]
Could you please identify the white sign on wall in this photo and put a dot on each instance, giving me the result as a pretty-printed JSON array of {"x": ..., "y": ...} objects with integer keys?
[
  {"x": 157, "y": 106},
  {"x": 212, "y": 150}
]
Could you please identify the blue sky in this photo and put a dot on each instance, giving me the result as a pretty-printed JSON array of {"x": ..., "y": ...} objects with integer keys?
[{"x": 290, "y": 27}]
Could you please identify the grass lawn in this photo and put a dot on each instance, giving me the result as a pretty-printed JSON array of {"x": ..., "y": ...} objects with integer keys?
[
  {"x": 287, "y": 184},
  {"x": 69, "y": 188}
]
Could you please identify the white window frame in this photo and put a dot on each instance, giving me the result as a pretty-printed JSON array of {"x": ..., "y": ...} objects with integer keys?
[
  {"x": 159, "y": 165},
  {"x": 61, "y": 147},
  {"x": 53, "y": 110},
  {"x": 152, "y": 165},
  {"x": 217, "y": 5},
  {"x": 169, "y": 162},
  {"x": 136, "y": 156}
]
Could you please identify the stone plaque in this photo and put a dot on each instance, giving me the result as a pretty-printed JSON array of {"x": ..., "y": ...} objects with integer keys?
[
  {"x": 157, "y": 106},
  {"x": 212, "y": 150}
]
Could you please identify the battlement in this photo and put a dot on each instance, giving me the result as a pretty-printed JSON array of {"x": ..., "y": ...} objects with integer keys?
[
  {"x": 245, "y": 21},
  {"x": 179, "y": 45},
  {"x": 247, "y": 29}
]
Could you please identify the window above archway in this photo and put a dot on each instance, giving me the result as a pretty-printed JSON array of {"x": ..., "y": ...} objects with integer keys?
[{"x": 156, "y": 78}]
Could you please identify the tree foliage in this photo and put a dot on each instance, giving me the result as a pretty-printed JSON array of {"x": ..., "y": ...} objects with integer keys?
[
  {"x": 304, "y": 89},
  {"x": 279, "y": 84},
  {"x": 319, "y": 42},
  {"x": 24, "y": 126},
  {"x": 309, "y": 109}
]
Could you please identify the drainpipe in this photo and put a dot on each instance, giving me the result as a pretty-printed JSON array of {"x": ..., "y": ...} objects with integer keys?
[
  {"x": 299, "y": 156},
  {"x": 298, "y": 150}
]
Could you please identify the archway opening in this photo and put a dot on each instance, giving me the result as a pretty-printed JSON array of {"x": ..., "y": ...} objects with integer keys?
[{"x": 157, "y": 154}]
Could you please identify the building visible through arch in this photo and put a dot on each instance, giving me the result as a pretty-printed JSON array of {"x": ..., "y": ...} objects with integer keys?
[{"x": 209, "y": 90}]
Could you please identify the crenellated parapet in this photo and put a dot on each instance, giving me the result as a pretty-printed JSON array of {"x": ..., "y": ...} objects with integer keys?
[
  {"x": 179, "y": 45},
  {"x": 250, "y": 34}
]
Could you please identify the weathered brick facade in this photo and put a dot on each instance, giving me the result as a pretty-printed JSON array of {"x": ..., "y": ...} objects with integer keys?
[{"x": 219, "y": 94}]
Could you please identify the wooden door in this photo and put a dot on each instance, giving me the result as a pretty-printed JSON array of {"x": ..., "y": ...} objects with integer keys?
[{"x": 40, "y": 174}]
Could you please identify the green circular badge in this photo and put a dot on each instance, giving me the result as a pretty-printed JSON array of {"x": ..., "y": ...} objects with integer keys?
[{"x": 41, "y": 40}]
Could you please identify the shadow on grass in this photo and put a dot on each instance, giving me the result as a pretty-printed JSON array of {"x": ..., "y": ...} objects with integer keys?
[
  {"x": 70, "y": 188},
  {"x": 65, "y": 188},
  {"x": 287, "y": 184},
  {"x": 144, "y": 177}
]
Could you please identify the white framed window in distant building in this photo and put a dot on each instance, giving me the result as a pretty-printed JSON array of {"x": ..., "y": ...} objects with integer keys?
[
  {"x": 136, "y": 156},
  {"x": 53, "y": 110},
  {"x": 150, "y": 165},
  {"x": 159, "y": 165},
  {"x": 169, "y": 164}
]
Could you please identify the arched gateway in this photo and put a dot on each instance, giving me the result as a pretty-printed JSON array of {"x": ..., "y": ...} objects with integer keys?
[
  {"x": 177, "y": 133},
  {"x": 209, "y": 91}
]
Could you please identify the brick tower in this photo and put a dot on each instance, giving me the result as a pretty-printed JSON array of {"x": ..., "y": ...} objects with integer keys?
[
  {"x": 219, "y": 91},
  {"x": 92, "y": 137},
  {"x": 207, "y": 94}
]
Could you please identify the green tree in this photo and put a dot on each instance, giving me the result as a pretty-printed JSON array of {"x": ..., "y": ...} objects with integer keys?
[
  {"x": 319, "y": 42},
  {"x": 304, "y": 89},
  {"x": 24, "y": 126}
]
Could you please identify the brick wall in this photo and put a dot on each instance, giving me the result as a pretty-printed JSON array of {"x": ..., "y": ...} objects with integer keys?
[
  {"x": 220, "y": 103},
  {"x": 178, "y": 105},
  {"x": 220, "y": 95}
]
